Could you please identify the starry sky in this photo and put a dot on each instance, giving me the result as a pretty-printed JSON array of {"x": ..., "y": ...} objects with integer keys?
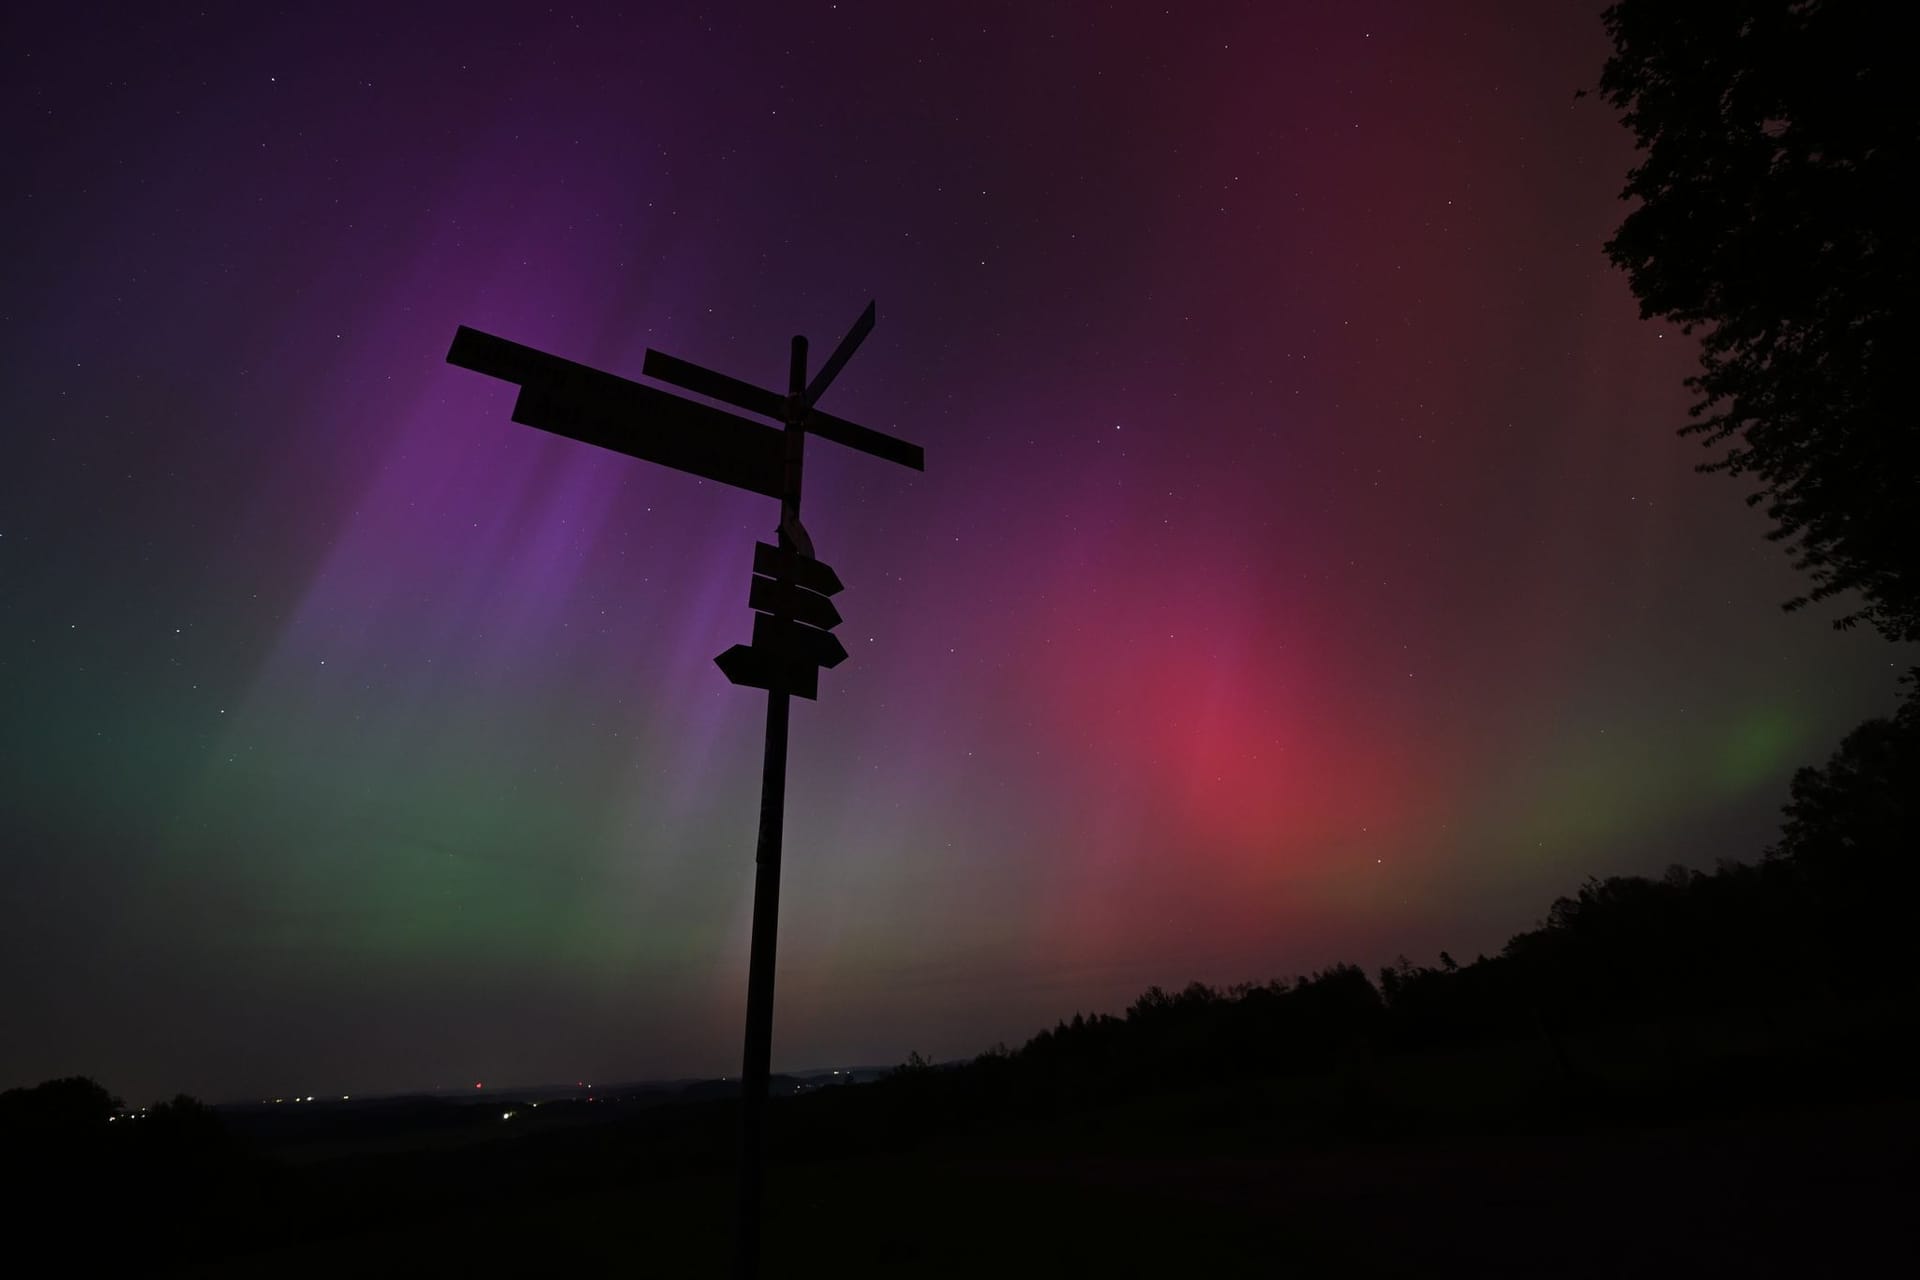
[{"x": 1304, "y": 568}]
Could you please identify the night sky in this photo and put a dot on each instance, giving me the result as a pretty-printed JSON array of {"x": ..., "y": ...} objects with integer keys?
[{"x": 1305, "y": 568}]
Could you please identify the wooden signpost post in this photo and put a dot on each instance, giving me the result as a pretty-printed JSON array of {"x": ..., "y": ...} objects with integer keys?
[{"x": 789, "y": 594}]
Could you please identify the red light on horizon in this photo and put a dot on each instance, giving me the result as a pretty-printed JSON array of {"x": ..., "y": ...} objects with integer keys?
[{"x": 476, "y": 1084}]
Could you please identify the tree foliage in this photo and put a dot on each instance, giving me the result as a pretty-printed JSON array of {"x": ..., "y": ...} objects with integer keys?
[
  {"x": 1856, "y": 818},
  {"x": 1775, "y": 214},
  {"x": 73, "y": 1106}
]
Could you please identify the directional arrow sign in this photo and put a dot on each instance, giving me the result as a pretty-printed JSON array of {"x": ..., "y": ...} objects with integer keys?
[
  {"x": 716, "y": 386},
  {"x": 841, "y": 354},
  {"x": 758, "y": 669},
  {"x": 744, "y": 395},
  {"x": 770, "y": 595},
  {"x": 776, "y": 562},
  {"x": 582, "y": 403},
  {"x": 865, "y": 439},
  {"x": 803, "y": 644}
]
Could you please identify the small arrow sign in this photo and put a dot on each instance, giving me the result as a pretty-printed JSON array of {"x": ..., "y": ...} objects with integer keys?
[
  {"x": 758, "y": 669},
  {"x": 797, "y": 642},
  {"x": 784, "y": 599},
  {"x": 770, "y": 561}
]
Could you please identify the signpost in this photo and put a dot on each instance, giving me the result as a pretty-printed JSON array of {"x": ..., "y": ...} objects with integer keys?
[{"x": 793, "y": 616}]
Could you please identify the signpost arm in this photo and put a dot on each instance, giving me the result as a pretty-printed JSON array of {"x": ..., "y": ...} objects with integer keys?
[{"x": 766, "y": 880}]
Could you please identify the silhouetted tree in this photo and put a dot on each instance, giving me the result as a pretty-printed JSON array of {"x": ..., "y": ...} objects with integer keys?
[
  {"x": 1858, "y": 815},
  {"x": 914, "y": 1065},
  {"x": 60, "y": 1109},
  {"x": 1776, "y": 213},
  {"x": 1849, "y": 839},
  {"x": 182, "y": 1129}
]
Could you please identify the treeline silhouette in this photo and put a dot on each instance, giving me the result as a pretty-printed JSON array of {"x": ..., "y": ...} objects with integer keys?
[
  {"x": 94, "y": 1180},
  {"x": 1821, "y": 923},
  {"x": 1623, "y": 951}
]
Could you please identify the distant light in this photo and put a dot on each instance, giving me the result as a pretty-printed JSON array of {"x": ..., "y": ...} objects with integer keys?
[
  {"x": 345, "y": 1096},
  {"x": 506, "y": 1115},
  {"x": 477, "y": 1084}
]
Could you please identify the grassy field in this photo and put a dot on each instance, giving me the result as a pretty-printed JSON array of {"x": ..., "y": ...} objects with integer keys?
[
  {"x": 1178, "y": 1187},
  {"x": 1765, "y": 1143}
]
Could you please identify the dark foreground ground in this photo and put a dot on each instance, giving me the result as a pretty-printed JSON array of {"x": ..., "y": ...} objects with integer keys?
[
  {"x": 1816, "y": 1193},
  {"x": 1734, "y": 1150}
]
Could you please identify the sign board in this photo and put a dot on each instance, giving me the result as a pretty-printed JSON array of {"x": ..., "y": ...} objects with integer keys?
[
  {"x": 785, "y": 600},
  {"x": 582, "y": 403}
]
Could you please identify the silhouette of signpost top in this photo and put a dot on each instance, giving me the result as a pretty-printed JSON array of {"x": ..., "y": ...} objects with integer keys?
[{"x": 793, "y": 616}]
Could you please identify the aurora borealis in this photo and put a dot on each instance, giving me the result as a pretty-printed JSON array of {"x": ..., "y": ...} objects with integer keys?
[{"x": 1305, "y": 567}]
